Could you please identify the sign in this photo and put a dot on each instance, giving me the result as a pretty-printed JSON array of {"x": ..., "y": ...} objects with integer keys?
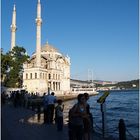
[{"x": 101, "y": 100}]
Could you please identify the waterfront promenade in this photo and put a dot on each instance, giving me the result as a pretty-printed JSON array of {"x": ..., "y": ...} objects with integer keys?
[{"x": 15, "y": 126}]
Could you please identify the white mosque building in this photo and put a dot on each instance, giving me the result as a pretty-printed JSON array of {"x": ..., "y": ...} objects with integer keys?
[{"x": 47, "y": 68}]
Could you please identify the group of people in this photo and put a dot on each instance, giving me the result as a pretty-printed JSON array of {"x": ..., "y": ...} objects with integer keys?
[
  {"x": 20, "y": 98},
  {"x": 80, "y": 118},
  {"x": 50, "y": 108},
  {"x": 4, "y": 97}
]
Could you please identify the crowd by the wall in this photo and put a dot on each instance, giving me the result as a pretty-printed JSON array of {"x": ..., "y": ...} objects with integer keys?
[{"x": 80, "y": 119}]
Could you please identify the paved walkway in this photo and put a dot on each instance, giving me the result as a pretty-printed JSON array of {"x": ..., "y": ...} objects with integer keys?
[{"x": 15, "y": 127}]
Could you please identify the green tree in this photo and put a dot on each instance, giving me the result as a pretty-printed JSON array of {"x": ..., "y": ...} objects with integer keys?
[
  {"x": 14, "y": 70},
  {"x": 5, "y": 64}
]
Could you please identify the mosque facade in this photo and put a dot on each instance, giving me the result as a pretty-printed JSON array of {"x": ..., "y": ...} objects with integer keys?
[{"x": 47, "y": 69}]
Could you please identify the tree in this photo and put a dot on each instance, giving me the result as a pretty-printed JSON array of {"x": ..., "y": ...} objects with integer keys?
[
  {"x": 14, "y": 69},
  {"x": 5, "y": 64}
]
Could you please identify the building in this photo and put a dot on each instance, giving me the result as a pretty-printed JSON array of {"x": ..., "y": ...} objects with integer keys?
[
  {"x": 53, "y": 73},
  {"x": 47, "y": 68}
]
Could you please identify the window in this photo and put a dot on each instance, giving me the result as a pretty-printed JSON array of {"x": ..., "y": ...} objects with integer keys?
[
  {"x": 30, "y": 75},
  {"x": 53, "y": 85},
  {"x": 49, "y": 76},
  {"x": 59, "y": 85},
  {"x": 40, "y": 75},
  {"x": 46, "y": 66},
  {"x": 26, "y": 76},
  {"x": 35, "y": 75}
]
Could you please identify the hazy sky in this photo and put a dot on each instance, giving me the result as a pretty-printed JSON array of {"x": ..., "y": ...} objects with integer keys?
[{"x": 99, "y": 35}]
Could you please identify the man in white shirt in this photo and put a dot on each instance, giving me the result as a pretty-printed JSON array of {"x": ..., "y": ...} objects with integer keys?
[{"x": 51, "y": 100}]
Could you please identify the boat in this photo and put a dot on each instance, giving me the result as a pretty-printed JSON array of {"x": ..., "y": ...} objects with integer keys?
[{"x": 79, "y": 89}]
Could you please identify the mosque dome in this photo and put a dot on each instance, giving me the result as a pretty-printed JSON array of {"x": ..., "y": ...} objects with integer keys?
[{"x": 48, "y": 48}]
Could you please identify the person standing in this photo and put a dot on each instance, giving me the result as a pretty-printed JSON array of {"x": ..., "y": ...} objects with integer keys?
[
  {"x": 45, "y": 104},
  {"x": 76, "y": 116},
  {"x": 51, "y": 100},
  {"x": 3, "y": 98},
  {"x": 59, "y": 115},
  {"x": 88, "y": 122},
  {"x": 16, "y": 99}
]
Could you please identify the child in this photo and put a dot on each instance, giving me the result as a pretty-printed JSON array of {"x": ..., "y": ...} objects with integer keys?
[{"x": 59, "y": 115}]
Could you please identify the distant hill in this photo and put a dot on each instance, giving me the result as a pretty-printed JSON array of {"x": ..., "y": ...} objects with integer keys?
[
  {"x": 100, "y": 83},
  {"x": 128, "y": 84},
  {"x": 94, "y": 81}
]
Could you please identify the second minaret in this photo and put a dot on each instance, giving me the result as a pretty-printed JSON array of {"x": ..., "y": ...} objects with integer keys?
[
  {"x": 38, "y": 35},
  {"x": 13, "y": 29}
]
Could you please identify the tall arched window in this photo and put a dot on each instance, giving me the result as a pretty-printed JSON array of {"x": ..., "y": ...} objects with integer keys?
[
  {"x": 30, "y": 75},
  {"x": 26, "y": 75},
  {"x": 49, "y": 76},
  {"x": 53, "y": 85},
  {"x": 35, "y": 75},
  {"x": 46, "y": 66},
  {"x": 59, "y": 85},
  {"x": 40, "y": 75},
  {"x": 59, "y": 77}
]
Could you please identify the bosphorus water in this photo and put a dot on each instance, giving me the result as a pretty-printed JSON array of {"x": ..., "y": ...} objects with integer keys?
[{"x": 121, "y": 104}]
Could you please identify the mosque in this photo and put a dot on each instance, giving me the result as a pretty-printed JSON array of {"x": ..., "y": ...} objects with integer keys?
[{"x": 47, "y": 68}]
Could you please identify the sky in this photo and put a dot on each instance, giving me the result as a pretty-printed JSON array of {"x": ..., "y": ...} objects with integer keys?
[{"x": 100, "y": 36}]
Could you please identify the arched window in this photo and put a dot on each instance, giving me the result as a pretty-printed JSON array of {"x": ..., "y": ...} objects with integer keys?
[
  {"x": 35, "y": 75},
  {"x": 40, "y": 75},
  {"x": 26, "y": 75},
  {"x": 30, "y": 75},
  {"x": 46, "y": 66},
  {"x": 49, "y": 76},
  {"x": 53, "y": 85},
  {"x": 59, "y": 85}
]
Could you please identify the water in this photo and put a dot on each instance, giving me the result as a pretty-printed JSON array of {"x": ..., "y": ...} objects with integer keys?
[{"x": 119, "y": 105}]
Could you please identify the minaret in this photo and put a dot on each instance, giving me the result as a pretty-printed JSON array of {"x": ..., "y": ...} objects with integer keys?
[
  {"x": 13, "y": 29},
  {"x": 38, "y": 35}
]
